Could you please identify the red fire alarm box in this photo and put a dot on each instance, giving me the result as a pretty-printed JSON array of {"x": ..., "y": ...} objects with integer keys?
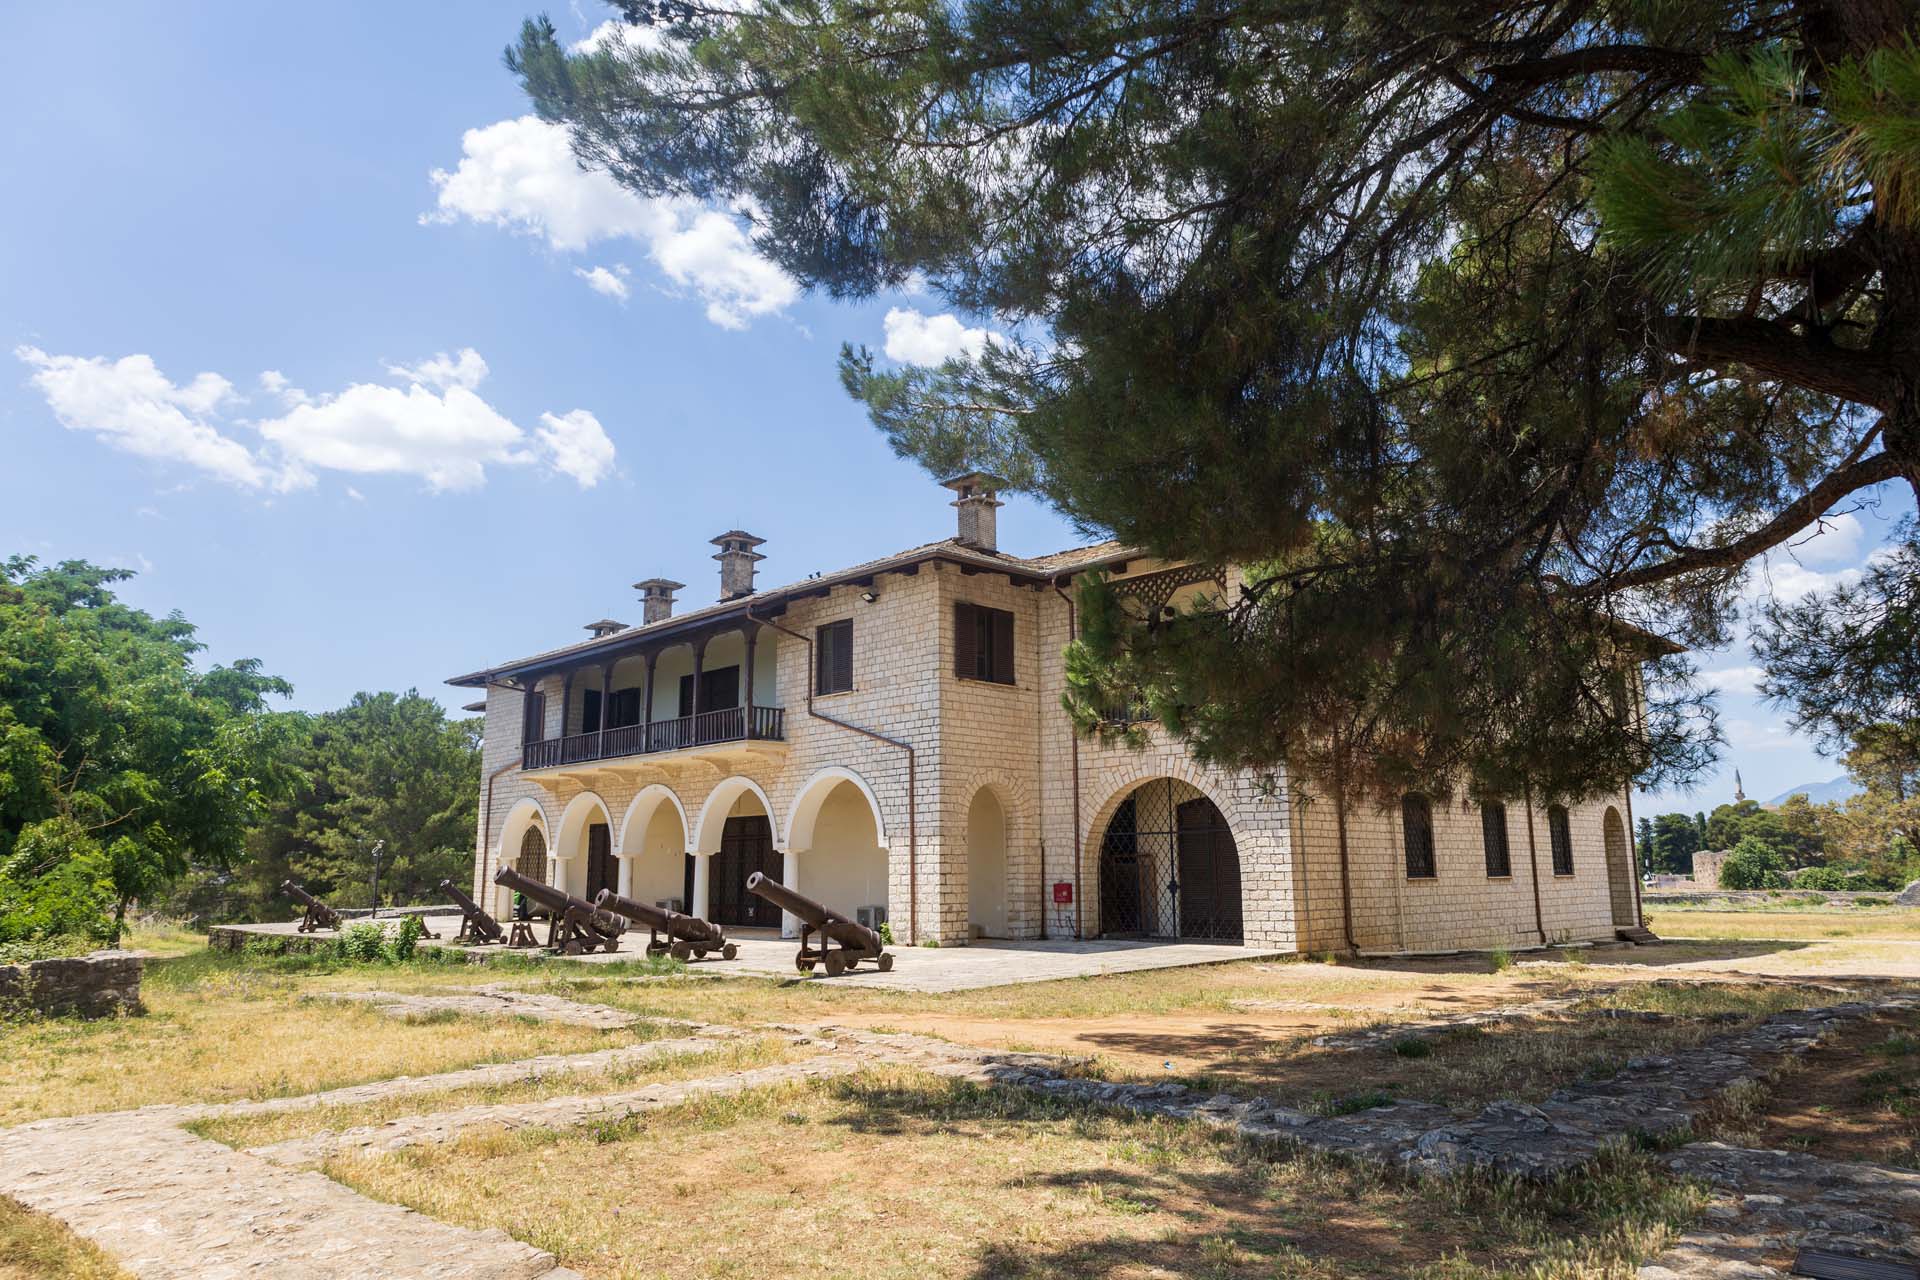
[{"x": 1063, "y": 893}]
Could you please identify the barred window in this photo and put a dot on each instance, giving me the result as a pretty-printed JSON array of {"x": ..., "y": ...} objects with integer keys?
[
  {"x": 1493, "y": 834},
  {"x": 1562, "y": 836},
  {"x": 1416, "y": 819},
  {"x": 532, "y": 862}
]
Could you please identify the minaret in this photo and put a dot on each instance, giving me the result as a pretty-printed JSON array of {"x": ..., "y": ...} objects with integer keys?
[{"x": 1739, "y": 793}]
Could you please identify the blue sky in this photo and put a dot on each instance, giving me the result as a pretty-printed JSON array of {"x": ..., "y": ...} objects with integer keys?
[{"x": 315, "y": 328}]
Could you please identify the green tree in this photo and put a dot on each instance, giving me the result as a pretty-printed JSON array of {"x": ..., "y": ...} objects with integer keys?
[
  {"x": 1675, "y": 840},
  {"x": 1753, "y": 865},
  {"x": 386, "y": 767},
  {"x": 1886, "y": 757},
  {"x": 1473, "y": 330},
  {"x": 1643, "y": 844},
  {"x": 119, "y": 760}
]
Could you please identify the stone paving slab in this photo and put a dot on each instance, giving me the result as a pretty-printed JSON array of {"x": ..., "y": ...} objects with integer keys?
[
  {"x": 491, "y": 1001},
  {"x": 170, "y": 1206}
]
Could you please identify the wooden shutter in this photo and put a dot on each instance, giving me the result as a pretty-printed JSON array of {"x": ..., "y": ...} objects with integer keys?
[
  {"x": 1002, "y": 644},
  {"x": 720, "y": 690},
  {"x": 623, "y": 708},
  {"x": 833, "y": 657},
  {"x": 535, "y": 729},
  {"x": 686, "y": 696},
  {"x": 966, "y": 641},
  {"x": 590, "y": 711}
]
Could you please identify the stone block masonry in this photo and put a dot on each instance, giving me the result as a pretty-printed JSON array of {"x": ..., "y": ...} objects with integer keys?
[{"x": 100, "y": 985}]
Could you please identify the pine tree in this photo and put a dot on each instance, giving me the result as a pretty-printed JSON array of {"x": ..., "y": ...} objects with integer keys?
[{"x": 1475, "y": 330}]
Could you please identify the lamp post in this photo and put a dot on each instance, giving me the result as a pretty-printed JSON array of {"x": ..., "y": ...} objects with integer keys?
[{"x": 378, "y": 845}]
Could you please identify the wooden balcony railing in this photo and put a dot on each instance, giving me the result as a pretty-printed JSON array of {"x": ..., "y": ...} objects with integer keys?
[{"x": 730, "y": 724}]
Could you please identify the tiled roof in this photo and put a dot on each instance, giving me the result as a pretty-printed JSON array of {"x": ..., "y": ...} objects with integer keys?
[{"x": 946, "y": 549}]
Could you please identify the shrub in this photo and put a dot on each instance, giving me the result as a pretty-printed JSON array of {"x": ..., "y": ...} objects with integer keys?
[
  {"x": 1753, "y": 865},
  {"x": 405, "y": 940},
  {"x": 363, "y": 943},
  {"x": 1501, "y": 959},
  {"x": 1825, "y": 879},
  {"x": 57, "y": 883}
]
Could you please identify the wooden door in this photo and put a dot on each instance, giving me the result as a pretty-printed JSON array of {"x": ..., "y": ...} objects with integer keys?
[
  {"x": 603, "y": 870},
  {"x": 746, "y": 846}
]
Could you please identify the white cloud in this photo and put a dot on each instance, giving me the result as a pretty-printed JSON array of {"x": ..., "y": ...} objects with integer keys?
[
  {"x": 464, "y": 370},
  {"x": 135, "y": 407},
  {"x": 521, "y": 175},
  {"x": 617, "y": 35},
  {"x": 1750, "y": 735},
  {"x": 1835, "y": 540},
  {"x": 576, "y": 445},
  {"x": 916, "y": 338},
  {"x": 437, "y": 428},
  {"x": 1732, "y": 679},
  {"x": 612, "y": 283}
]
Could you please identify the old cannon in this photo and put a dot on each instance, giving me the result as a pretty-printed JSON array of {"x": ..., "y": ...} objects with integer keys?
[
  {"x": 476, "y": 926},
  {"x": 319, "y": 914},
  {"x": 857, "y": 942},
  {"x": 689, "y": 937},
  {"x": 577, "y": 926}
]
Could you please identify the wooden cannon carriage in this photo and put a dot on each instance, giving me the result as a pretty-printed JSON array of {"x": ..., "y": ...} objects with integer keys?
[
  {"x": 688, "y": 937},
  {"x": 578, "y": 926},
  {"x": 318, "y": 916},
  {"x": 476, "y": 926},
  {"x": 856, "y": 941}
]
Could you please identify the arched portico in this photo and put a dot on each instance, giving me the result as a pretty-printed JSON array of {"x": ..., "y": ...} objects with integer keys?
[
  {"x": 804, "y": 813},
  {"x": 652, "y": 847},
  {"x": 731, "y": 839},
  {"x": 1168, "y": 864},
  {"x": 583, "y": 847},
  {"x": 836, "y": 849},
  {"x": 526, "y": 815}
]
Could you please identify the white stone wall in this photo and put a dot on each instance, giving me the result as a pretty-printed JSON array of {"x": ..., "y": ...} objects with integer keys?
[{"x": 1017, "y": 742}]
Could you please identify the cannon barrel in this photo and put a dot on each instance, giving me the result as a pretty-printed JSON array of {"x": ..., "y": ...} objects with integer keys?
[
  {"x": 820, "y": 918},
  {"x": 558, "y": 901},
  {"x": 672, "y": 923},
  {"x": 475, "y": 925},
  {"x": 318, "y": 914},
  {"x": 298, "y": 893}
]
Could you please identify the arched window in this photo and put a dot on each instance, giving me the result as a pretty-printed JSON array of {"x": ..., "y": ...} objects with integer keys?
[
  {"x": 1562, "y": 836},
  {"x": 1493, "y": 835},
  {"x": 1416, "y": 821},
  {"x": 532, "y": 862}
]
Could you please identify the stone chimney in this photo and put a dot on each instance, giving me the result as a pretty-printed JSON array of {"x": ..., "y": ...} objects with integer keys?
[
  {"x": 976, "y": 504},
  {"x": 656, "y": 599},
  {"x": 605, "y": 627},
  {"x": 737, "y": 558}
]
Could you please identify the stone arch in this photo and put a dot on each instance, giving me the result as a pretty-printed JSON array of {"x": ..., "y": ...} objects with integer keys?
[
  {"x": 525, "y": 815},
  {"x": 652, "y": 847},
  {"x": 989, "y": 864},
  {"x": 1199, "y": 850},
  {"x": 643, "y": 808},
  {"x": 704, "y": 835},
  {"x": 569, "y": 846},
  {"x": 1619, "y": 868},
  {"x": 813, "y": 793}
]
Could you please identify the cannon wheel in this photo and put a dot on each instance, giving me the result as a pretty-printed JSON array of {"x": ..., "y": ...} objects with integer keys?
[
  {"x": 836, "y": 964},
  {"x": 885, "y": 962},
  {"x": 804, "y": 966},
  {"x": 729, "y": 951},
  {"x": 680, "y": 951}
]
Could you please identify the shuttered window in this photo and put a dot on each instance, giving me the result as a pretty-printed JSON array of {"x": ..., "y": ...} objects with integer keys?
[
  {"x": 1493, "y": 834},
  {"x": 833, "y": 657},
  {"x": 982, "y": 643},
  {"x": 590, "y": 711},
  {"x": 1416, "y": 821},
  {"x": 1562, "y": 836},
  {"x": 624, "y": 708},
  {"x": 535, "y": 728}
]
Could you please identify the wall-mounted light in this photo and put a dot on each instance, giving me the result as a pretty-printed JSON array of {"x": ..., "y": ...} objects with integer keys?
[{"x": 869, "y": 596}]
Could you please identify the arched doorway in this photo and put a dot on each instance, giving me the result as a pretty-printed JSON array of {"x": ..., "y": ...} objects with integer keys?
[
  {"x": 734, "y": 839},
  {"x": 987, "y": 865},
  {"x": 584, "y": 848},
  {"x": 1169, "y": 867},
  {"x": 837, "y": 845},
  {"x": 1619, "y": 868},
  {"x": 531, "y": 861},
  {"x": 653, "y": 849}
]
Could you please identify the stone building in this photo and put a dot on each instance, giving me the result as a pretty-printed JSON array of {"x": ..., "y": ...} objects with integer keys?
[{"x": 889, "y": 739}]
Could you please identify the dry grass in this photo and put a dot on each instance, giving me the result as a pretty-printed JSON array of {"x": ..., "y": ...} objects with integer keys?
[
  {"x": 1782, "y": 924},
  {"x": 226, "y": 1032},
  {"x": 36, "y": 1247},
  {"x": 244, "y": 1131},
  {"x": 897, "y": 1174}
]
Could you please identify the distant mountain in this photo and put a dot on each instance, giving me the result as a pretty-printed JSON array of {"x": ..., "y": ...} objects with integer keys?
[{"x": 1837, "y": 789}]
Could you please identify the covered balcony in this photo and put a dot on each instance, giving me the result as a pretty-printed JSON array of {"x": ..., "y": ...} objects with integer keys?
[{"x": 684, "y": 697}]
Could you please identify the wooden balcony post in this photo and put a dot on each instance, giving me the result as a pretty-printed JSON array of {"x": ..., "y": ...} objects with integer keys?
[
  {"x": 699, "y": 666},
  {"x": 751, "y": 633},
  {"x": 606, "y": 693},
  {"x": 646, "y": 710},
  {"x": 566, "y": 703}
]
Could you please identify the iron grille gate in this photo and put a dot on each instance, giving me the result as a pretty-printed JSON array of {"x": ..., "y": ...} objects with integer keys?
[{"x": 1169, "y": 869}]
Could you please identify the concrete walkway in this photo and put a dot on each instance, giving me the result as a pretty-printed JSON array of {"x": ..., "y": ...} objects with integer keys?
[{"x": 926, "y": 970}]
